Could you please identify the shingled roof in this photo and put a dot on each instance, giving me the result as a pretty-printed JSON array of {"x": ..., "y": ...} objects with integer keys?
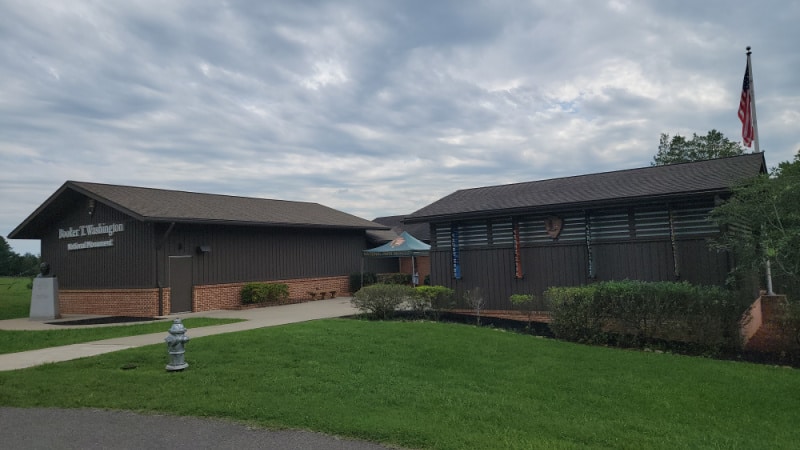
[
  {"x": 418, "y": 230},
  {"x": 670, "y": 181},
  {"x": 160, "y": 205}
]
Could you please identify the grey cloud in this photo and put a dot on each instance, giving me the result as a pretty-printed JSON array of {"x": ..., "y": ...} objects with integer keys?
[{"x": 317, "y": 100}]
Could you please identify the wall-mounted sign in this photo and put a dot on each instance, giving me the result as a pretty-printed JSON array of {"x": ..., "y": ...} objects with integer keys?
[
  {"x": 91, "y": 230},
  {"x": 89, "y": 244},
  {"x": 101, "y": 229},
  {"x": 553, "y": 226}
]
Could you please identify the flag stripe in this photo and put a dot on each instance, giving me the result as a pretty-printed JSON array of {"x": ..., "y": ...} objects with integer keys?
[{"x": 745, "y": 108}]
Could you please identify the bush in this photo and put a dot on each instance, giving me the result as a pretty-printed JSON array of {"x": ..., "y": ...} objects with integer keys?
[
  {"x": 355, "y": 280},
  {"x": 264, "y": 293},
  {"x": 432, "y": 299},
  {"x": 474, "y": 299},
  {"x": 790, "y": 323},
  {"x": 528, "y": 303},
  {"x": 394, "y": 278},
  {"x": 381, "y": 300},
  {"x": 575, "y": 314},
  {"x": 644, "y": 312}
]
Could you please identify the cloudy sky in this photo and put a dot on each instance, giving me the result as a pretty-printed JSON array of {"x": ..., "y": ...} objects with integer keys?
[{"x": 373, "y": 107}]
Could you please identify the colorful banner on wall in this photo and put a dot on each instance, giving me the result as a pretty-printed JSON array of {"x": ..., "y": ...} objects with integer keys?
[
  {"x": 456, "y": 255},
  {"x": 517, "y": 253}
]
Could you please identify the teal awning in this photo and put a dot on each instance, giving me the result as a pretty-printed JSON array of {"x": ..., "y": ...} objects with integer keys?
[{"x": 403, "y": 245}]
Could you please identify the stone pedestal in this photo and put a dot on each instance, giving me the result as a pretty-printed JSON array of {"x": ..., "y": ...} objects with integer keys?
[{"x": 44, "y": 299}]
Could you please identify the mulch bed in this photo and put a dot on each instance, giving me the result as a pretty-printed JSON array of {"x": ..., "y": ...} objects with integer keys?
[{"x": 104, "y": 320}]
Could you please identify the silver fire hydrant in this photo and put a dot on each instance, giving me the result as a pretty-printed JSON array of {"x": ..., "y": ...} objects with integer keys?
[{"x": 175, "y": 346}]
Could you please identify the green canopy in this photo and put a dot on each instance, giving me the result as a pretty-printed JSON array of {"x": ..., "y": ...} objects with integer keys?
[{"x": 403, "y": 245}]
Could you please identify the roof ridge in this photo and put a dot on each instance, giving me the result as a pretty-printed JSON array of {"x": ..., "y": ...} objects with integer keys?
[
  {"x": 619, "y": 171},
  {"x": 83, "y": 183}
]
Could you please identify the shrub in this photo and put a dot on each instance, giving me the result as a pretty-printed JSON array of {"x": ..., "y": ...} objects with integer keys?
[
  {"x": 476, "y": 302},
  {"x": 575, "y": 314},
  {"x": 432, "y": 299},
  {"x": 355, "y": 280},
  {"x": 264, "y": 293},
  {"x": 790, "y": 323},
  {"x": 527, "y": 303},
  {"x": 381, "y": 300},
  {"x": 394, "y": 278},
  {"x": 644, "y": 312}
]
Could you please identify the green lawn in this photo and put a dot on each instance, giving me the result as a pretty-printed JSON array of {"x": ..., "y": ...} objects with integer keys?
[
  {"x": 12, "y": 341},
  {"x": 15, "y": 298},
  {"x": 15, "y": 303},
  {"x": 433, "y": 385}
]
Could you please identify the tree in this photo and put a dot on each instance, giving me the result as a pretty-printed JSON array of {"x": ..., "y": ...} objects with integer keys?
[
  {"x": 6, "y": 257},
  {"x": 761, "y": 220},
  {"x": 14, "y": 265},
  {"x": 678, "y": 149}
]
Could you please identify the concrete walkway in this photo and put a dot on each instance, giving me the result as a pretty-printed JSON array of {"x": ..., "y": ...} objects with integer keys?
[{"x": 254, "y": 318}]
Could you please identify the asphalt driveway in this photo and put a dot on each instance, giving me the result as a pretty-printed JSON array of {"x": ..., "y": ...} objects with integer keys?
[{"x": 89, "y": 429}]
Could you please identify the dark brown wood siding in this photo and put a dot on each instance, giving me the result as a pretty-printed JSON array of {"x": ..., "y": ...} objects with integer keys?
[
  {"x": 649, "y": 242},
  {"x": 128, "y": 263},
  {"x": 244, "y": 253}
]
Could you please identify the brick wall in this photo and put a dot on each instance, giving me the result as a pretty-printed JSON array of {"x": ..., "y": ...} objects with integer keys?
[
  {"x": 111, "y": 302},
  {"x": 228, "y": 296},
  {"x": 421, "y": 263},
  {"x": 144, "y": 302},
  {"x": 761, "y": 327}
]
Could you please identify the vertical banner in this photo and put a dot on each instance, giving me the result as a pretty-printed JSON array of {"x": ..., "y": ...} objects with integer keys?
[
  {"x": 675, "y": 267},
  {"x": 517, "y": 253},
  {"x": 456, "y": 255},
  {"x": 589, "y": 256}
]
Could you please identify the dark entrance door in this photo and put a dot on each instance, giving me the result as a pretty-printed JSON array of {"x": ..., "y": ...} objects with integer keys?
[{"x": 180, "y": 284}]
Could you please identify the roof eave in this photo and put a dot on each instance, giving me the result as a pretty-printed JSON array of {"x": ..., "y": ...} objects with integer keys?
[
  {"x": 201, "y": 221},
  {"x": 465, "y": 215}
]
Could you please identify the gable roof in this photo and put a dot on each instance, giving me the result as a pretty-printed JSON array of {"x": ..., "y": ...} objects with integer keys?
[
  {"x": 420, "y": 231},
  {"x": 670, "y": 181},
  {"x": 160, "y": 205}
]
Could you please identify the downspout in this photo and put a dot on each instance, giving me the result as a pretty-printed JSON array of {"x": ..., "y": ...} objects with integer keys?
[{"x": 159, "y": 285}]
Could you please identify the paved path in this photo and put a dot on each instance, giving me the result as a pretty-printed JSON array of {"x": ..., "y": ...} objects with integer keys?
[
  {"x": 54, "y": 428},
  {"x": 254, "y": 318},
  {"x": 90, "y": 429}
]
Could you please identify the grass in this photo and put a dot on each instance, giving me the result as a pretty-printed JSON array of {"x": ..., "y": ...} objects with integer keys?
[
  {"x": 15, "y": 298},
  {"x": 435, "y": 385},
  {"x": 15, "y": 301},
  {"x": 19, "y": 341}
]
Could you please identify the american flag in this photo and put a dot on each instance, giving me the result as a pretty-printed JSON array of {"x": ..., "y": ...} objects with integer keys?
[{"x": 744, "y": 108}]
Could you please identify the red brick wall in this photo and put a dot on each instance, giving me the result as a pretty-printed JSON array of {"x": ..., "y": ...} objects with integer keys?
[
  {"x": 144, "y": 302},
  {"x": 111, "y": 302},
  {"x": 227, "y": 296},
  {"x": 421, "y": 263},
  {"x": 761, "y": 326}
]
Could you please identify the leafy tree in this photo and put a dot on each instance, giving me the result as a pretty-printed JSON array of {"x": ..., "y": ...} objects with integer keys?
[
  {"x": 678, "y": 149},
  {"x": 762, "y": 219},
  {"x": 12, "y": 264},
  {"x": 6, "y": 257}
]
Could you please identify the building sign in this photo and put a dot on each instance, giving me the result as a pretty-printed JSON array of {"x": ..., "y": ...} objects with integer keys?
[{"x": 102, "y": 229}]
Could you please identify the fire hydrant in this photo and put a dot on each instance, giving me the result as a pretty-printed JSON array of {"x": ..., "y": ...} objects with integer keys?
[{"x": 175, "y": 346}]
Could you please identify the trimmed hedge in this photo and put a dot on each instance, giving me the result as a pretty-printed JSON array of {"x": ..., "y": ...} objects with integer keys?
[
  {"x": 264, "y": 293},
  {"x": 638, "y": 313}
]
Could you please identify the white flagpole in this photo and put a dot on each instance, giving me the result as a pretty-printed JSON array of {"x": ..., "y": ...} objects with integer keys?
[
  {"x": 753, "y": 101},
  {"x": 767, "y": 267}
]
